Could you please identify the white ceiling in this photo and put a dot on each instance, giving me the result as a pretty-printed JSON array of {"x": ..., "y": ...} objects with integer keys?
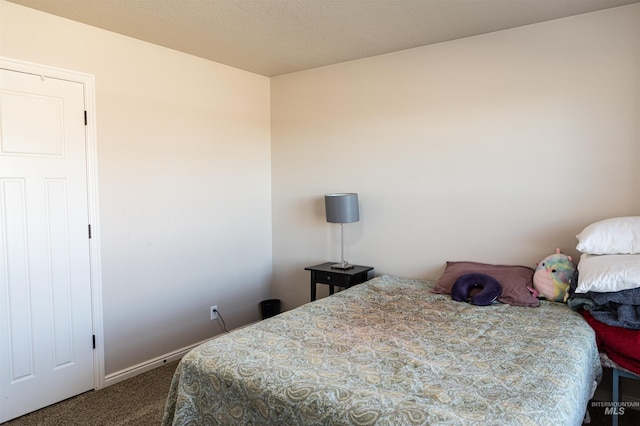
[{"x": 273, "y": 37}]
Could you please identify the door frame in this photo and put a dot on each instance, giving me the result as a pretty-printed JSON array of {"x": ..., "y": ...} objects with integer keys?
[{"x": 88, "y": 81}]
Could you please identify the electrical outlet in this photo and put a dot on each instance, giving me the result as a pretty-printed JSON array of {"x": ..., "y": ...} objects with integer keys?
[{"x": 214, "y": 312}]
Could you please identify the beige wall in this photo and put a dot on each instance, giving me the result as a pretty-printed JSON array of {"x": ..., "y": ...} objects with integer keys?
[
  {"x": 496, "y": 148},
  {"x": 184, "y": 182}
]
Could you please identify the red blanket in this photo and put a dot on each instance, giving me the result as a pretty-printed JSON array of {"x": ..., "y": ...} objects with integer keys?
[{"x": 622, "y": 345}]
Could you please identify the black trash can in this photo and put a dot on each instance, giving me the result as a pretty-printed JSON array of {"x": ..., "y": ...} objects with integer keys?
[{"x": 269, "y": 308}]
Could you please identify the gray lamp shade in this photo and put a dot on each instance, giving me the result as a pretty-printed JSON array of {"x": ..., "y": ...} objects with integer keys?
[{"x": 342, "y": 208}]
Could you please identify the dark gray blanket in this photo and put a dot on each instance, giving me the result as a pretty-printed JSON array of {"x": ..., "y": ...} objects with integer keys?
[{"x": 620, "y": 308}]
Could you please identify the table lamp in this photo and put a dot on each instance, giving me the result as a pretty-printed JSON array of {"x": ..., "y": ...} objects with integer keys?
[{"x": 342, "y": 208}]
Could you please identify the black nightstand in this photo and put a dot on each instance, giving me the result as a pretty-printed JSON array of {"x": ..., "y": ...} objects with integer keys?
[{"x": 325, "y": 274}]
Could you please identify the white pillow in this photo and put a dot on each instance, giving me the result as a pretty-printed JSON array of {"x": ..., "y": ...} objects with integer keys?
[
  {"x": 619, "y": 235},
  {"x": 608, "y": 273}
]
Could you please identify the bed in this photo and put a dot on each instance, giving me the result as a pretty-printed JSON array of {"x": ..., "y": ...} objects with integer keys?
[
  {"x": 390, "y": 351},
  {"x": 608, "y": 294}
]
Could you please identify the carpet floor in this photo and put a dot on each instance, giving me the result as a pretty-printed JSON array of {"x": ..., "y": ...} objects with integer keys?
[
  {"x": 140, "y": 401},
  {"x": 137, "y": 401}
]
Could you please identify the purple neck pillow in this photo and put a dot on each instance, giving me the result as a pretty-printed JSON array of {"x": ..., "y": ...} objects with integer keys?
[{"x": 490, "y": 289}]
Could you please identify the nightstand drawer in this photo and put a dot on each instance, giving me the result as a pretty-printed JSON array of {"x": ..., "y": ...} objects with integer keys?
[
  {"x": 334, "y": 279},
  {"x": 325, "y": 273}
]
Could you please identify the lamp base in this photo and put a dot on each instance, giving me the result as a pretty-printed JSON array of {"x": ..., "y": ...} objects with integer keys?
[{"x": 342, "y": 266}]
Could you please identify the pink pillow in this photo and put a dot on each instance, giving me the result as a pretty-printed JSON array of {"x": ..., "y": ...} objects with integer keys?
[{"x": 514, "y": 280}]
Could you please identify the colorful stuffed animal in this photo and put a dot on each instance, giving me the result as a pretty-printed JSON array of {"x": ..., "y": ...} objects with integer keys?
[{"x": 553, "y": 277}]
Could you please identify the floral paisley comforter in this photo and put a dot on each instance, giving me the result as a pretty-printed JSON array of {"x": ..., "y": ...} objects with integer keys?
[{"x": 390, "y": 352}]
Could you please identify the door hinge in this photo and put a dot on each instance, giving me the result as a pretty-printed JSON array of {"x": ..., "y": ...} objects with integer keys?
[
  {"x": 94, "y": 341},
  {"x": 89, "y": 231},
  {"x": 85, "y": 118}
]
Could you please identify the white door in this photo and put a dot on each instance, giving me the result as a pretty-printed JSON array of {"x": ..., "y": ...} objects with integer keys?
[{"x": 46, "y": 345}]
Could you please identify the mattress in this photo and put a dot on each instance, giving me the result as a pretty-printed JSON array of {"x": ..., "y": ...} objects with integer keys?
[{"x": 390, "y": 352}]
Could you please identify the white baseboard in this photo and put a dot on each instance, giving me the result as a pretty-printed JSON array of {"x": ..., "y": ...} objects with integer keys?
[
  {"x": 127, "y": 373},
  {"x": 133, "y": 371}
]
